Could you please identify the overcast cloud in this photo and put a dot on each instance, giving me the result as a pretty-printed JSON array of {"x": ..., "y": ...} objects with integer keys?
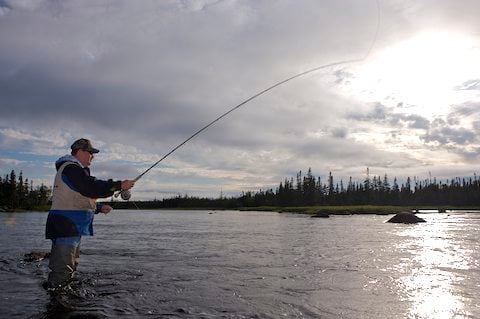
[{"x": 139, "y": 77}]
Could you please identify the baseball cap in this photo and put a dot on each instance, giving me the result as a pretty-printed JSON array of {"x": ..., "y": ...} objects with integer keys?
[{"x": 84, "y": 145}]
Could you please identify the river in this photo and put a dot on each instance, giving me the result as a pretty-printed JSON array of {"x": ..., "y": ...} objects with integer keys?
[{"x": 230, "y": 264}]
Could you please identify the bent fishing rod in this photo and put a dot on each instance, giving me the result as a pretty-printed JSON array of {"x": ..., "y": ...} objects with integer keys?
[{"x": 125, "y": 194}]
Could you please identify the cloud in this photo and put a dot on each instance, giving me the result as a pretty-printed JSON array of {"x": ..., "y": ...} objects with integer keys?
[
  {"x": 470, "y": 85},
  {"x": 466, "y": 110},
  {"x": 448, "y": 135},
  {"x": 339, "y": 132},
  {"x": 138, "y": 78},
  {"x": 383, "y": 114},
  {"x": 108, "y": 73},
  {"x": 458, "y": 133},
  {"x": 342, "y": 76},
  {"x": 8, "y": 163}
]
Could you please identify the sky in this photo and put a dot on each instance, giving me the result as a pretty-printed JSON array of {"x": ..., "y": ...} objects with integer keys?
[{"x": 140, "y": 77}]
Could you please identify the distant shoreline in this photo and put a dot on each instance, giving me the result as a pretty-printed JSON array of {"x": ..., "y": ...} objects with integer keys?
[
  {"x": 362, "y": 209},
  {"x": 310, "y": 210}
]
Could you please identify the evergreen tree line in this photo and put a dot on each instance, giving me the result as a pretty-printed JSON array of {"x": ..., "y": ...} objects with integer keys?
[
  {"x": 303, "y": 190},
  {"x": 20, "y": 193},
  {"x": 308, "y": 190}
]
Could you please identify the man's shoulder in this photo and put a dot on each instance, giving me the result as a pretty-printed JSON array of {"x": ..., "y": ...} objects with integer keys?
[
  {"x": 69, "y": 159},
  {"x": 74, "y": 168}
]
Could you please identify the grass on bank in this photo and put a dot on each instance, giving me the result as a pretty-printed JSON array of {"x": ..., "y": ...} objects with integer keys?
[{"x": 334, "y": 210}]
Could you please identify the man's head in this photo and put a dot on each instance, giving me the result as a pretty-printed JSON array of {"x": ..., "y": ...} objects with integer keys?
[{"x": 83, "y": 150}]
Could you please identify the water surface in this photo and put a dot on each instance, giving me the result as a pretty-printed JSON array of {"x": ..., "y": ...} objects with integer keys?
[{"x": 229, "y": 264}]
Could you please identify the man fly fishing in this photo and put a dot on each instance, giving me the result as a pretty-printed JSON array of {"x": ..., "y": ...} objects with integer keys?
[{"x": 75, "y": 193}]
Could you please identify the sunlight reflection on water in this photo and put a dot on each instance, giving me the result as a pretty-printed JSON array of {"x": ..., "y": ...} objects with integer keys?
[{"x": 440, "y": 261}]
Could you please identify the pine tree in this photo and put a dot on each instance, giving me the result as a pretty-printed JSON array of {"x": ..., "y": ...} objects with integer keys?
[
  {"x": 330, "y": 185},
  {"x": 12, "y": 191}
]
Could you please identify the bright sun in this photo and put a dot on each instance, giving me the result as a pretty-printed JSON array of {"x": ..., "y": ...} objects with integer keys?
[{"x": 422, "y": 75}]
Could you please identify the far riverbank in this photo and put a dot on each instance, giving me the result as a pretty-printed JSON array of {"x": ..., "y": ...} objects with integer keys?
[
  {"x": 311, "y": 210},
  {"x": 359, "y": 209}
]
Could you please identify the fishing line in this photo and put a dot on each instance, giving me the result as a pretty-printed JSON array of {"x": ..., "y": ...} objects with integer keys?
[{"x": 126, "y": 194}]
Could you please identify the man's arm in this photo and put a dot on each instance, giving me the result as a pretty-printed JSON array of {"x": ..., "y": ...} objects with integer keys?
[{"x": 79, "y": 180}]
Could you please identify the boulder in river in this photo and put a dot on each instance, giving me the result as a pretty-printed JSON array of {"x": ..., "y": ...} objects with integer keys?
[
  {"x": 406, "y": 218},
  {"x": 320, "y": 215}
]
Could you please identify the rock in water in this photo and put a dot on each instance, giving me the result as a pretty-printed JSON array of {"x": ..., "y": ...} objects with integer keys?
[
  {"x": 320, "y": 215},
  {"x": 36, "y": 256},
  {"x": 406, "y": 218}
]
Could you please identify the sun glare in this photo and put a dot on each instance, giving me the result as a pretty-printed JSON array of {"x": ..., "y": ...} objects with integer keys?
[
  {"x": 422, "y": 74},
  {"x": 428, "y": 282}
]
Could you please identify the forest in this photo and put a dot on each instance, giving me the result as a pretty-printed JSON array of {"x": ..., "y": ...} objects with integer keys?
[
  {"x": 19, "y": 193},
  {"x": 308, "y": 190},
  {"x": 303, "y": 190}
]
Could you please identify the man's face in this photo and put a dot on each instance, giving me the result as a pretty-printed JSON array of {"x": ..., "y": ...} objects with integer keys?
[{"x": 84, "y": 157}]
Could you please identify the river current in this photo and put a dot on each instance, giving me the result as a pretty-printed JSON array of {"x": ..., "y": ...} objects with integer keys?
[{"x": 230, "y": 264}]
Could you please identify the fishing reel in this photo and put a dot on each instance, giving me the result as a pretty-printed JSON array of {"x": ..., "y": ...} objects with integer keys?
[{"x": 124, "y": 194}]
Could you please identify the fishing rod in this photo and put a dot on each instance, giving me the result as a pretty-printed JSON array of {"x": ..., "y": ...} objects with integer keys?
[{"x": 125, "y": 194}]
